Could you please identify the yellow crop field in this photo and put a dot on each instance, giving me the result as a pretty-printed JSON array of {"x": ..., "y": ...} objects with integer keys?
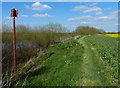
[{"x": 112, "y": 35}]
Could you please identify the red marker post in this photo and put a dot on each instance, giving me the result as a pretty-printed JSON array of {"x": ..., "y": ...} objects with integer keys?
[{"x": 14, "y": 13}]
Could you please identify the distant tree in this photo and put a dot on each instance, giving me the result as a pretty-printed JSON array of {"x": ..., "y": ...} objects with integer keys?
[
  {"x": 56, "y": 27},
  {"x": 52, "y": 27},
  {"x": 6, "y": 28},
  {"x": 85, "y": 30},
  {"x": 23, "y": 28}
]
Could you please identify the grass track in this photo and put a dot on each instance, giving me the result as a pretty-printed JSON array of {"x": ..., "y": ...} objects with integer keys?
[
  {"x": 93, "y": 67},
  {"x": 62, "y": 68},
  {"x": 75, "y": 62}
]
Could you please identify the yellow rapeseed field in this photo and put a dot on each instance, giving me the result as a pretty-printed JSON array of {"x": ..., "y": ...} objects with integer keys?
[{"x": 112, "y": 35}]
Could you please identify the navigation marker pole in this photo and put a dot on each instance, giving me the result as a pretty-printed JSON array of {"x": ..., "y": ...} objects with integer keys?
[{"x": 14, "y": 13}]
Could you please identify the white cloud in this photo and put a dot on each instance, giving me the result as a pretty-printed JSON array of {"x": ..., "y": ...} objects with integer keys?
[
  {"x": 38, "y": 7},
  {"x": 115, "y": 13},
  {"x": 99, "y": 13},
  {"x": 84, "y": 22},
  {"x": 7, "y": 17},
  {"x": 74, "y": 19},
  {"x": 112, "y": 16},
  {"x": 78, "y": 8},
  {"x": 116, "y": 24},
  {"x": 87, "y": 9},
  {"x": 43, "y": 15},
  {"x": 24, "y": 16},
  {"x": 93, "y": 9},
  {"x": 103, "y": 18},
  {"x": 108, "y": 8},
  {"x": 80, "y": 18},
  {"x": 93, "y": 4}
]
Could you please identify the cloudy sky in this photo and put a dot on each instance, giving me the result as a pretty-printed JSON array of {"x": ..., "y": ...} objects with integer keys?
[{"x": 102, "y": 15}]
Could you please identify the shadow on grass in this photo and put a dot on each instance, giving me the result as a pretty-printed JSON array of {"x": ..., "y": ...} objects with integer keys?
[
  {"x": 39, "y": 71},
  {"x": 22, "y": 76}
]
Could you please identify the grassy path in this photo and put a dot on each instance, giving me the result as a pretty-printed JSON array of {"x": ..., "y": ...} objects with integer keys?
[
  {"x": 93, "y": 68},
  {"x": 74, "y": 62},
  {"x": 60, "y": 67}
]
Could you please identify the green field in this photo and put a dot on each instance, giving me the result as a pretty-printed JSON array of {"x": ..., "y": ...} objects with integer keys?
[{"x": 82, "y": 61}]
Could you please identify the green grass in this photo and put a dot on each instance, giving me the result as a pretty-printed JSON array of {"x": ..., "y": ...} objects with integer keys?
[
  {"x": 61, "y": 66},
  {"x": 75, "y": 62},
  {"x": 93, "y": 68},
  {"x": 107, "y": 47}
]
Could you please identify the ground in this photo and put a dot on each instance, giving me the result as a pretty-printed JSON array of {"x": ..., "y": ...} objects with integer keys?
[
  {"x": 75, "y": 62},
  {"x": 93, "y": 67}
]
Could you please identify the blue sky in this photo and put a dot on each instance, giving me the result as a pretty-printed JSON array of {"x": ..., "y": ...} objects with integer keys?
[
  {"x": 102, "y": 15},
  {"x": 0, "y": 16},
  {"x": 61, "y": 0}
]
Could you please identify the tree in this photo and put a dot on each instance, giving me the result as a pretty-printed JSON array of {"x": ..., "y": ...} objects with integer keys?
[
  {"x": 56, "y": 27},
  {"x": 23, "y": 28},
  {"x": 85, "y": 30}
]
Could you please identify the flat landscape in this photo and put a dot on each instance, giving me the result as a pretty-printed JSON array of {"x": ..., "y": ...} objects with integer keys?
[
  {"x": 60, "y": 44},
  {"x": 81, "y": 61}
]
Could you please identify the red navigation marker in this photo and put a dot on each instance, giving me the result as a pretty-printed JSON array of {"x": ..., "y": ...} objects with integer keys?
[{"x": 14, "y": 13}]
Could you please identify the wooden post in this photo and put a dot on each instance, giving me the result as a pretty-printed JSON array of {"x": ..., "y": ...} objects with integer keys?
[
  {"x": 14, "y": 46},
  {"x": 14, "y": 13}
]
